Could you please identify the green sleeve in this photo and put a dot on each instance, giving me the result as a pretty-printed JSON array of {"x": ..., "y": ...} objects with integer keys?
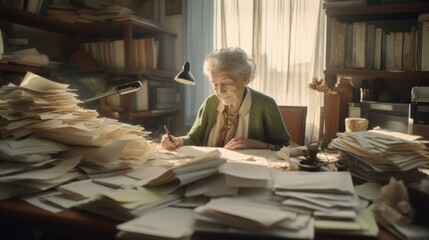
[
  {"x": 266, "y": 123},
  {"x": 204, "y": 122}
]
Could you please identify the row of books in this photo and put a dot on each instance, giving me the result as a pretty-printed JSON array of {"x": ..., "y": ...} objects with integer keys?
[
  {"x": 111, "y": 54},
  {"x": 365, "y": 45}
]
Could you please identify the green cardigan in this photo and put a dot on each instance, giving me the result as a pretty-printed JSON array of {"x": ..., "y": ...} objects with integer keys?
[{"x": 265, "y": 122}]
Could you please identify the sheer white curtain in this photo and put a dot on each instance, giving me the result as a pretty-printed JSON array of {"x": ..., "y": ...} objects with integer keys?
[{"x": 285, "y": 38}]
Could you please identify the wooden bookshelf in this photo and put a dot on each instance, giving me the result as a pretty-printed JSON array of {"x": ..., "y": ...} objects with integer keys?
[
  {"x": 126, "y": 29},
  {"x": 389, "y": 17}
]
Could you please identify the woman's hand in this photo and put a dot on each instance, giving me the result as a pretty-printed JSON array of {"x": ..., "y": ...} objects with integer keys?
[
  {"x": 245, "y": 143},
  {"x": 171, "y": 142}
]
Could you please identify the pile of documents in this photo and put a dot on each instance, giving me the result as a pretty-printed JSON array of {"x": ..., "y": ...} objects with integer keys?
[
  {"x": 330, "y": 198},
  {"x": 244, "y": 216},
  {"x": 250, "y": 199},
  {"x": 157, "y": 184},
  {"x": 48, "y": 139},
  {"x": 167, "y": 223},
  {"x": 126, "y": 204},
  {"x": 377, "y": 155}
]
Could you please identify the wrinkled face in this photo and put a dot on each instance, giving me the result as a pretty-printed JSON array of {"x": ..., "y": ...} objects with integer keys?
[{"x": 228, "y": 91}]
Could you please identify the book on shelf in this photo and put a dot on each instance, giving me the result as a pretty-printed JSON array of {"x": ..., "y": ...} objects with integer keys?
[
  {"x": 331, "y": 50},
  {"x": 1, "y": 44},
  {"x": 390, "y": 45},
  {"x": 359, "y": 44},
  {"x": 119, "y": 55},
  {"x": 341, "y": 46},
  {"x": 370, "y": 46},
  {"x": 407, "y": 52},
  {"x": 146, "y": 53},
  {"x": 424, "y": 49},
  {"x": 377, "y": 48},
  {"x": 414, "y": 48},
  {"x": 383, "y": 49},
  {"x": 398, "y": 48},
  {"x": 349, "y": 46}
]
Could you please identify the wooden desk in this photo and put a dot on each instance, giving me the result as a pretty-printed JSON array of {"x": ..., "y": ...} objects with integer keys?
[
  {"x": 74, "y": 224},
  {"x": 69, "y": 224}
]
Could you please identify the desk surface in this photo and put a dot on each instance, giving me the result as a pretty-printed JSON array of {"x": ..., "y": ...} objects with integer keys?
[{"x": 76, "y": 224}]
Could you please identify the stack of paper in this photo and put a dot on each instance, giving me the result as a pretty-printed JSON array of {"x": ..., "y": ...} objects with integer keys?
[
  {"x": 187, "y": 170},
  {"x": 330, "y": 197},
  {"x": 126, "y": 204},
  {"x": 27, "y": 166},
  {"x": 48, "y": 137},
  {"x": 163, "y": 223},
  {"x": 29, "y": 56},
  {"x": 242, "y": 216},
  {"x": 233, "y": 177},
  {"x": 20, "y": 178},
  {"x": 50, "y": 110},
  {"x": 378, "y": 155},
  {"x": 327, "y": 192},
  {"x": 71, "y": 194}
]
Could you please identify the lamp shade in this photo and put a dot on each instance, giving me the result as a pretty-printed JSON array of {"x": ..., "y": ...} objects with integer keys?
[{"x": 185, "y": 76}]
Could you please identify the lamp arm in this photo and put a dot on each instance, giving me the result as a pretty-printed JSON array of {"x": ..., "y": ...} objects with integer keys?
[{"x": 120, "y": 89}]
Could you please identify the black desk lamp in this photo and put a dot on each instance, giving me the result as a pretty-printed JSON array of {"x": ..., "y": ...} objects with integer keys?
[
  {"x": 120, "y": 89},
  {"x": 185, "y": 76}
]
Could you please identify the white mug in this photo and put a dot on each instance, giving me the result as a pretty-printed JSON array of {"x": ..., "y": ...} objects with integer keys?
[{"x": 356, "y": 124}]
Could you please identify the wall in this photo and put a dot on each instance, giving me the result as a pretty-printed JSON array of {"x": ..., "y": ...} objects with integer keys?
[{"x": 173, "y": 24}]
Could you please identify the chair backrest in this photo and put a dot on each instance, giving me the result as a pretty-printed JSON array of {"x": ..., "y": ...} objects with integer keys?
[{"x": 294, "y": 118}]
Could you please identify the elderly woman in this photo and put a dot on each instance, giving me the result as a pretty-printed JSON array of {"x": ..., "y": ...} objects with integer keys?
[{"x": 235, "y": 117}]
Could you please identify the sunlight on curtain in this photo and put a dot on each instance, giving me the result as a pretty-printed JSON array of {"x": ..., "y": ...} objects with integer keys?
[{"x": 285, "y": 38}]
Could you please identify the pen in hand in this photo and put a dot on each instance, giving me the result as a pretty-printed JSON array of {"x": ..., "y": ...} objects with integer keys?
[{"x": 168, "y": 133}]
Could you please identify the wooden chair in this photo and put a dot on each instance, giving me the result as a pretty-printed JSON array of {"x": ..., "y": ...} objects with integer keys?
[{"x": 294, "y": 118}]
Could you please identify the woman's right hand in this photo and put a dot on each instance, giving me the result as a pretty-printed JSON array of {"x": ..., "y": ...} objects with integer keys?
[{"x": 172, "y": 143}]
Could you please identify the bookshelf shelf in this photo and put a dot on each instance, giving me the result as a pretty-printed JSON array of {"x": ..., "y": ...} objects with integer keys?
[
  {"x": 8, "y": 67},
  {"x": 341, "y": 61},
  {"x": 377, "y": 73},
  {"x": 138, "y": 27},
  {"x": 398, "y": 10}
]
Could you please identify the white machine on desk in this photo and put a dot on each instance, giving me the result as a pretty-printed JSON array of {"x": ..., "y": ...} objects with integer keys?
[{"x": 419, "y": 112}]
